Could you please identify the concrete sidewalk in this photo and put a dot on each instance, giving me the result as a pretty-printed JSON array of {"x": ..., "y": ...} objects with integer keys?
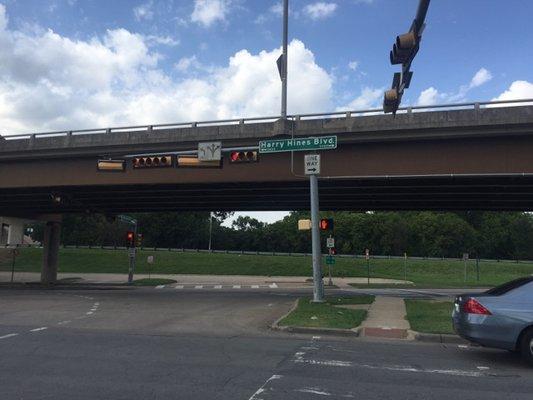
[
  {"x": 282, "y": 281},
  {"x": 386, "y": 318}
]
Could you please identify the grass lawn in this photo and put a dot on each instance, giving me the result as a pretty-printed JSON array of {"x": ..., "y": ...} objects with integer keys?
[
  {"x": 430, "y": 316},
  {"x": 325, "y": 315},
  {"x": 152, "y": 282},
  {"x": 423, "y": 273}
]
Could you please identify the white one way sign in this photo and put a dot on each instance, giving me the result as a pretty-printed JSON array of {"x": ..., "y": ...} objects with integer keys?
[{"x": 312, "y": 164}]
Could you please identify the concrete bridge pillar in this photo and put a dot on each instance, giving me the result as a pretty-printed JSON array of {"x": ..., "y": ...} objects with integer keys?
[{"x": 52, "y": 237}]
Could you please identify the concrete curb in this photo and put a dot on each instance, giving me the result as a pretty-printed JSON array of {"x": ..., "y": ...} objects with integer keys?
[
  {"x": 438, "y": 338},
  {"x": 301, "y": 329}
]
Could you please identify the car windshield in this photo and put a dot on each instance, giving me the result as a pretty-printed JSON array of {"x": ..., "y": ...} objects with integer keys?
[{"x": 507, "y": 287}]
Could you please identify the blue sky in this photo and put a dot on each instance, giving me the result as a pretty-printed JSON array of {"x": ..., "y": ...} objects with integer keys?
[{"x": 68, "y": 64}]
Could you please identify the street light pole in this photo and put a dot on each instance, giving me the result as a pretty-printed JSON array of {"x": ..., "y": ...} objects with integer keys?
[{"x": 284, "y": 58}]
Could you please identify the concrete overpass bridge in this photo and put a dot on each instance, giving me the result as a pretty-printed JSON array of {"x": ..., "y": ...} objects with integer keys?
[{"x": 466, "y": 157}]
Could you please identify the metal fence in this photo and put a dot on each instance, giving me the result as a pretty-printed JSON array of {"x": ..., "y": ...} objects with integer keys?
[{"x": 271, "y": 253}]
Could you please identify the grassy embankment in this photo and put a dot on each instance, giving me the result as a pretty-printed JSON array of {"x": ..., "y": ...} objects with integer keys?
[
  {"x": 424, "y": 273},
  {"x": 430, "y": 316},
  {"x": 326, "y": 315}
]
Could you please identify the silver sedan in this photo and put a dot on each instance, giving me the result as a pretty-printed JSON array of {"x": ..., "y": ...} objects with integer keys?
[{"x": 501, "y": 317}]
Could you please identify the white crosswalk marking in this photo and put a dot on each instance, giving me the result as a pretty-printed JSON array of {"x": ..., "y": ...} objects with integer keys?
[
  {"x": 236, "y": 286},
  {"x": 160, "y": 286},
  {"x": 199, "y": 287},
  {"x": 217, "y": 287},
  {"x": 273, "y": 286},
  {"x": 179, "y": 286},
  {"x": 255, "y": 286}
]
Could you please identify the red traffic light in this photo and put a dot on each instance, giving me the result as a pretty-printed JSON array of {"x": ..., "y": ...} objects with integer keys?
[
  {"x": 326, "y": 224},
  {"x": 130, "y": 239},
  {"x": 243, "y": 157},
  {"x": 333, "y": 251}
]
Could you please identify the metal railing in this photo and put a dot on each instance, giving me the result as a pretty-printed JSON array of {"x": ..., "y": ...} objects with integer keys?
[
  {"x": 271, "y": 253},
  {"x": 242, "y": 121}
]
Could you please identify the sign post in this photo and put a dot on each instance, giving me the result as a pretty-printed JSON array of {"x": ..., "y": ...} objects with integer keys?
[
  {"x": 312, "y": 168},
  {"x": 318, "y": 284},
  {"x": 404, "y": 266},
  {"x": 465, "y": 259},
  {"x": 15, "y": 253},
  {"x": 132, "y": 250},
  {"x": 367, "y": 256}
]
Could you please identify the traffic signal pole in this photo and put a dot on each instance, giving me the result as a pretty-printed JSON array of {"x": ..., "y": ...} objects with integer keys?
[{"x": 318, "y": 284}]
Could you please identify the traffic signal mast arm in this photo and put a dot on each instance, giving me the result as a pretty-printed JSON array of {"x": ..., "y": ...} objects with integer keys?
[{"x": 403, "y": 52}]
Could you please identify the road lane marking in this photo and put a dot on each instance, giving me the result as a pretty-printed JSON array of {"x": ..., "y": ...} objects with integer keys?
[
  {"x": 8, "y": 335},
  {"x": 273, "y": 286},
  {"x": 89, "y": 313},
  {"x": 160, "y": 286},
  {"x": 179, "y": 286},
  {"x": 255, "y": 286},
  {"x": 236, "y": 286},
  {"x": 217, "y": 287},
  {"x": 316, "y": 391},
  {"x": 199, "y": 287},
  {"x": 399, "y": 368},
  {"x": 38, "y": 329},
  {"x": 262, "y": 389}
]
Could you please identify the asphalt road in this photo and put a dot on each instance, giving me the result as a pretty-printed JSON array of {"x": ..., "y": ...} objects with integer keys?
[{"x": 168, "y": 344}]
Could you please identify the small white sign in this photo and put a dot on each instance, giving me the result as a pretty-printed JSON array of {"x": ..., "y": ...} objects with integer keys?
[
  {"x": 312, "y": 164},
  {"x": 150, "y": 259},
  {"x": 330, "y": 243},
  {"x": 210, "y": 151}
]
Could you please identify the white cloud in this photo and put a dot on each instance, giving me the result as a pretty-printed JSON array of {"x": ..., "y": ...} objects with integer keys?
[
  {"x": 162, "y": 40},
  {"x": 51, "y": 82},
  {"x": 277, "y": 9},
  {"x": 432, "y": 96},
  {"x": 264, "y": 216},
  {"x": 369, "y": 98},
  {"x": 481, "y": 77},
  {"x": 320, "y": 10},
  {"x": 518, "y": 90},
  {"x": 428, "y": 97},
  {"x": 185, "y": 63},
  {"x": 3, "y": 17},
  {"x": 207, "y": 12},
  {"x": 353, "y": 65},
  {"x": 144, "y": 11}
]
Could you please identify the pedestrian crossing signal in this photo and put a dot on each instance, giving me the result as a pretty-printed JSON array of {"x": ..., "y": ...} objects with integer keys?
[{"x": 326, "y": 224}]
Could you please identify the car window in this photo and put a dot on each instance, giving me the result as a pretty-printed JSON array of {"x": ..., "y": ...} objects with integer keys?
[{"x": 507, "y": 287}]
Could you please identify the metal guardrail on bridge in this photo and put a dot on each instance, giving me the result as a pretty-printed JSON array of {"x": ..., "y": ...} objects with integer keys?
[{"x": 224, "y": 122}]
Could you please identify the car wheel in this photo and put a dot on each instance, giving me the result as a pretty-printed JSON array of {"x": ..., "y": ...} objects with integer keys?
[{"x": 526, "y": 347}]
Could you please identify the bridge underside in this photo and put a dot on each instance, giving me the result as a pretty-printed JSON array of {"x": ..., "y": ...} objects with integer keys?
[{"x": 393, "y": 193}]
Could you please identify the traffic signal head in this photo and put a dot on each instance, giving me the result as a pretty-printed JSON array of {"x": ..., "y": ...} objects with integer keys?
[
  {"x": 326, "y": 224},
  {"x": 333, "y": 251},
  {"x": 139, "y": 241},
  {"x": 130, "y": 239},
  {"x": 405, "y": 48},
  {"x": 163, "y": 161},
  {"x": 391, "y": 100},
  {"x": 243, "y": 157}
]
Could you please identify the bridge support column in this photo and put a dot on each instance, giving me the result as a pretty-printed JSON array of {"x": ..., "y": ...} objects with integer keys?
[{"x": 52, "y": 236}]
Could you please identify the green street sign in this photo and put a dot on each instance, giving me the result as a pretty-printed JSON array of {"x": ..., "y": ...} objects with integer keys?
[
  {"x": 330, "y": 260},
  {"x": 298, "y": 144}
]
